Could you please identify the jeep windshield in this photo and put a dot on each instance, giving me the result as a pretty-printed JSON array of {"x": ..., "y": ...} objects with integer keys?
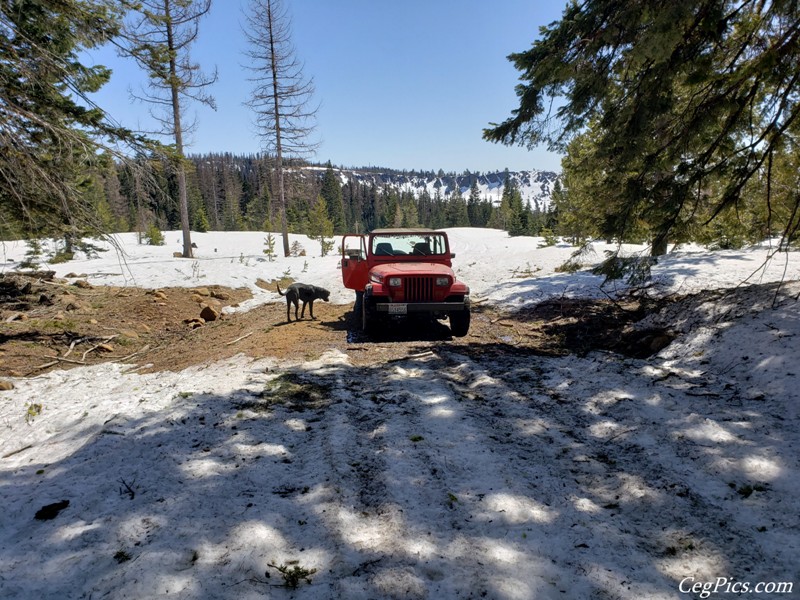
[{"x": 409, "y": 243}]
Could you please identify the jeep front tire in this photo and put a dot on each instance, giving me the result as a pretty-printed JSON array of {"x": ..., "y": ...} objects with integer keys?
[
  {"x": 459, "y": 322},
  {"x": 367, "y": 313}
]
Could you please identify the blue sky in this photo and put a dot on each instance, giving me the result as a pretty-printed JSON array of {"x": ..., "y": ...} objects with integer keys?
[{"x": 405, "y": 85}]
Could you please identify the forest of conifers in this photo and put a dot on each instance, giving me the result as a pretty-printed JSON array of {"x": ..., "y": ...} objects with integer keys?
[{"x": 236, "y": 193}]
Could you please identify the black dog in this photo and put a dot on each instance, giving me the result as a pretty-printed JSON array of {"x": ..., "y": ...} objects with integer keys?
[{"x": 307, "y": 294}]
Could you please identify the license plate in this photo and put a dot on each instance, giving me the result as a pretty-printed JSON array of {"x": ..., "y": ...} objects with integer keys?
[{"x": 398, "y": 309}]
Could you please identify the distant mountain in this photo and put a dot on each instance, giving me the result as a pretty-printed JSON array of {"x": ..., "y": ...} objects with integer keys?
[{"x": 535, "y": 186}]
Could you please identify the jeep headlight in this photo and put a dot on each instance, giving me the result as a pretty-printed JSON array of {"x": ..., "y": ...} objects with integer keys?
[
  {"x": 395, "y": 281},
  {"x": 376, "y": 277},
  {"x": 442, "y": 281}
]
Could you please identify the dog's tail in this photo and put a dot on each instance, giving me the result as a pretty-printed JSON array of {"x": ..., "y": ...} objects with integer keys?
[{"x": 279, "y": 290}]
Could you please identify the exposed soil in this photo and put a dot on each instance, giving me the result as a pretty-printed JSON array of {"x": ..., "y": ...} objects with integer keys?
[{"x": 56, "y": 323}]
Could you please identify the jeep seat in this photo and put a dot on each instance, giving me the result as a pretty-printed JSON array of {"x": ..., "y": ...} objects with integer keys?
[
  {"x": 384, "y": 249},
  {"x": 422, "y": 248}
]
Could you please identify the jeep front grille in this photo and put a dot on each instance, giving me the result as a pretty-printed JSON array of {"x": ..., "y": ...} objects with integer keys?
[{"x": 418, "y": 289}]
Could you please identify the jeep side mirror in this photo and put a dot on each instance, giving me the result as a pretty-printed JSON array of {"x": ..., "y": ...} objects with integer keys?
[{"x": 452, "y": 255}]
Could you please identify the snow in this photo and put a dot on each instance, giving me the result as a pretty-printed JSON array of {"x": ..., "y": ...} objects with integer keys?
[
  {"x": 450, "y": 474},
  {"x": 534, "y": 186}
]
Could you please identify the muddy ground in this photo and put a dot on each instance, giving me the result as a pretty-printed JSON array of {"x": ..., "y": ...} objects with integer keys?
[{"x": 48, "y": 323}]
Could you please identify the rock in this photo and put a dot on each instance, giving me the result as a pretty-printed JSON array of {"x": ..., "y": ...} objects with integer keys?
[
  {"x": 73, "y": 306},
  {"x": 220, "y": 295},
  {"x": 83, "y": 284},
  {"x": 177, "y": 254},
  {"x": 213, "y": 303},
  {"x": 209, "y": 313},
  {"x": 129, "y": 333},
  {"x": 201, "y": 291},
  {"x": 51, "y": 510},
  {"x": 6, "y": 385},
  {"x": 70, "y": 275},
  {"x": 92, "y": 321},
  {"x": 106, "y": 347},
  {"x": 159, "y": 295},
  {"x": 197, "y": 298}
]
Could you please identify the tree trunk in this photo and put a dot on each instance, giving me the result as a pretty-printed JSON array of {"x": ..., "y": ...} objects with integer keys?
[
  {"x": 658, "y": 246},
  {"x": 183, "y": 197},
  {"x": 278, "y": 147}
]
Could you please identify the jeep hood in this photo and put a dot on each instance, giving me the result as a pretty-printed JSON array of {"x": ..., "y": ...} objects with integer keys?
[{"x": 412, "y": 268}]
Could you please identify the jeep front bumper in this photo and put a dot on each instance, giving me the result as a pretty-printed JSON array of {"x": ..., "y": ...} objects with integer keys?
[{"x": 404, "y": 308}]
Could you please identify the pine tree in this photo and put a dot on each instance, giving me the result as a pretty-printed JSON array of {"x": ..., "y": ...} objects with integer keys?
[
  {"x": 679, "y": 98},
  {"x": 159, "y": 39},
  {"x": 49, "y": 138},
  {"x": 517, "y": 217},
  {"x": 331, "y": 192},
  {"x": 473, "y": 206},
  {"x": 410, "y": 214},
  {"x": 457, "y": 213},
  {"x": 320, "y": 227}
]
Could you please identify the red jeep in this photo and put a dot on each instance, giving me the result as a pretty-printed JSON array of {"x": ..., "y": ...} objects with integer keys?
[{"x": 402, "y": 272}]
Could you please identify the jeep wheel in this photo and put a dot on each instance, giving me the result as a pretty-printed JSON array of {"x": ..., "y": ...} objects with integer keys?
[
  {"x": 459, "y": 323},
  {"x": 367, "y": 315},
  {"x": 358, "y": 307}
]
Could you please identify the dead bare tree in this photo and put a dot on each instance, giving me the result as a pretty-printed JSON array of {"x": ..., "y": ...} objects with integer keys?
[
  {"x": 159, "y": 37},
  {"x": 281, "y": 95}
]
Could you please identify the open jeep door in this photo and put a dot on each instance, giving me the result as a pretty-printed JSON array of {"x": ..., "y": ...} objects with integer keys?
[{"x": 355, "y": 268}]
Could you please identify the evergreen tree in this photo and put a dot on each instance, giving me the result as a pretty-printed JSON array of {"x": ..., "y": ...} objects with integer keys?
[
  {"x": 320, "y": 226},
  {"x": 112, "y": 191},
  {"x": 681, "y": 98},
  {"x": 513, "y": 212},
  {"x": 331, "y": 192},
  {"x": 388, "y": 207},
  {"x": 583, "y": 202},
  {"x": 409, "y": 209},
  {"x": 425, "y": 208},
  {"x": 257, "y": 211},
  {"x": 474, "y": 206},
  {"x": 438, "y": 216},
  {"x": 49, "y": 139},
  {"x": 457, "y": 213}
]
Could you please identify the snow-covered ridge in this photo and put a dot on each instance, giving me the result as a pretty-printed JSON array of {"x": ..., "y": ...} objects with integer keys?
[{"x": 535, "y": 186}]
